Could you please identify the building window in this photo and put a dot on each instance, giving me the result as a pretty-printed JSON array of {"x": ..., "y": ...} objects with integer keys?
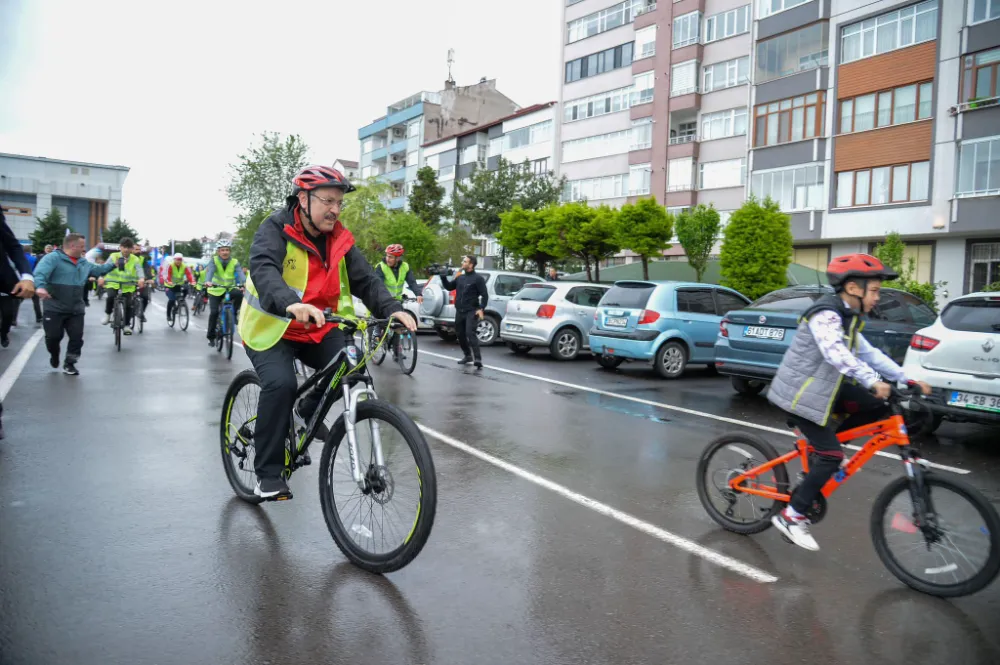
[
  {"x": 727, "y": 173},
  {"x": 591, "y": 107},
  {"x": 984, "y": 10},
  {"x": 792, "y": 52},
  {"x": 645, "y": 42},
  {"x": 601, "y": 145},
  {"x": 723, "y": 124},
  {"x": 725, "y": 74},
  {"x": 888, "y": 32},
  {"x": 446, "y": 173},
  {"x": 794, "y": 189},
  {"x": 984, "y": 264},
  {"x": 642, "y": 88},
  {"x": 613, "y": 17},
  {"x": 413, "y": 158},
  {"x": 599, "y": 63},
  {"x": 540, "y": 166},
  {"x": 642, "y": 134},
  {"x": 595, "y": 189},
  {"x": 680, "y": 174},
  {"x": 496, "y": 146},
  {"x": 638, "y": 179},
  {"x": 900, "y": 183},
  {"x": 530, "y": 135},
  {"x": 684, "y": 78},
  {"x": 789, "y": 120},
  {"x": 686, "y": 29},
  {"x": 979, "y": 75},
  {"x": 727, "y": 24},
  {"x": 767, "y": 7},
  {"x": 979, "y": 167},
  {"x": 894, "y": 107}
]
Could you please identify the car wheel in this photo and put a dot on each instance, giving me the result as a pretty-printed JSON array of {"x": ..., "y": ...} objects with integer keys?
[
  {"x": 566, "y": 344},
  {"x": 671, "y": 360},
  {"x": 748, "y": 386},
  {"x": 486, "y": 330},
  {"x": 446, "y": 335},
  {"x": 608, "y": 362},
  {"x": 519, "y": 349}
]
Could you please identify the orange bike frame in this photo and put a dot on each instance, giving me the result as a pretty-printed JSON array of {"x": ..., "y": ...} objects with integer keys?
[{"x": 884, "y": 433}]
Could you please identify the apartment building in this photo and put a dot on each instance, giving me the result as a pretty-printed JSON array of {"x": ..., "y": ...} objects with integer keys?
[
  {"x": 391, "y": 145},
  {"x": 523, "y": 136}
]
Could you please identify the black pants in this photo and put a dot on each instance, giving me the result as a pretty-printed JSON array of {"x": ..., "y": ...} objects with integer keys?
[
  {"x": 38, "y": 308},
  {"x": 861, "y": 408},
  {"x": 109, "y": 306},
  {"x": 213, "y": 309},
  {"x": 55, "y": 325},
  {"x": 172, "y": 294},
  {"x": 8, "y": 312},
  {"x": 277, "y": 376},
  {"x": 465, "y": 327}
]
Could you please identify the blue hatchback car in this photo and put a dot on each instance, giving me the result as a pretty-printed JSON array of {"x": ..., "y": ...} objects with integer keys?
[{"x": 670, "y": 324}]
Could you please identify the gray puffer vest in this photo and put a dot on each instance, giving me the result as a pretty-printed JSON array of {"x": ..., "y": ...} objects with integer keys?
[{"x": 805, "y": 383}]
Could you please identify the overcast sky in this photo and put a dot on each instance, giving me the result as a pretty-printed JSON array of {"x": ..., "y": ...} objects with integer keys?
[{"x": 176, "y": 90}]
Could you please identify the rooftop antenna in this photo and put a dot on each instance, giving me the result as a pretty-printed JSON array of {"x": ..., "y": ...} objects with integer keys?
[{"x": 451, "y": 61}]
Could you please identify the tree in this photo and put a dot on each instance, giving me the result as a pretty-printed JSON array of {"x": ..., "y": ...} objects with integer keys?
[
  {"x": 586, "y": 233},
  {"x": 538, "y": 191},
  {"x": 697, "y": 230},
  {"x": 246, "y": 229},
  {"x": 756, "y": 249},
  {"x": 528, "y": 234},
  {"x": 120, "y": 229},
  {"x": 892, "y": 254},
  {"x": 408, "y": 230},
  {"x": 192, "y": 247},
  {"x": 262, "y": 176},
  {"x": 491, "y": 193},
  {"x": 426, "y": 198},
  {"x": 51, "y": 230},
  {"x": 454, "y": 244},
  {"x": 645, "y": 227},
  {"x": 363, "y": 212}
]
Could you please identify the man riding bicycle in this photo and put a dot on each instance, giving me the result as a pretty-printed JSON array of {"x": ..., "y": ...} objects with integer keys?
[
  {"x": 223, "y": 274},
  {"x": 176, "y": 278},
  {"x": 395, "y": 273},
  {"x": 303, "y": 261},
  {"x": 809, "y": 385},
  {"x": 123, "y": 279}
]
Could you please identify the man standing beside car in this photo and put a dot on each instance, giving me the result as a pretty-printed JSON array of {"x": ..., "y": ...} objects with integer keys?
[{"x": 470, "y": 306}]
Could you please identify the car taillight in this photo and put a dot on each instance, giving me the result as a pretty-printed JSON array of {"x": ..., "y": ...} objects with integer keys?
[
  {"x": 648, "y": 316},
  {"x": 451, "y": 297},
  {"x": 921, "y": 343},
  {"x": 546, "y": 311},
  {"x": 723, "y": 330}
]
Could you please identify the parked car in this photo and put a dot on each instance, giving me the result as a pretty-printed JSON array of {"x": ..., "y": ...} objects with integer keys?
[
  {"x": 558, "y": 315},
  {"x": 752, "y": 340},
  {"x": 410, "y": 306},
  {"x": 959, "y": 356},
  {"x": 671, "y": 324},
  {"x": 438, "y": 309}
]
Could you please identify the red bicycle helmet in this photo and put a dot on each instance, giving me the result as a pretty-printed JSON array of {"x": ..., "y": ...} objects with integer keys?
[
  {"x": 394, "y": 250},
  {"x": 318, "y": 176},
  {"x": 857, "y": 266}
]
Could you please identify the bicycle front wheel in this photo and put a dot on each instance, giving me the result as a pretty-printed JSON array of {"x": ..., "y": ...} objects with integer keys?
[
  {"x": 960, "y": 556},
  {"x": 406, "y": 351},
  {"x": 118, "y": 321},
  {"x": 378, "y": 350},
  {"x": 138, "y": 311},
  {"x": 182, "y": 315},
  {"x": 382, "y": 525},
  {"x": 229, "y": 334}
]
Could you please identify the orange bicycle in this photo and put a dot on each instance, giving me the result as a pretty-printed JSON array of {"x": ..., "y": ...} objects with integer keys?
[{"x": 949, "y": 529}]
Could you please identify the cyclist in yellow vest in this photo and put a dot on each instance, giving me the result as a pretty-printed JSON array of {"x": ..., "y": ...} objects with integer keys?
[
  {"x": 396, "y": 273},
  {"x": 224, "y": 273},
  {"x": 303, "y": 261},
  {"x": 127, "y": 277},
  {"x": 176, "y": 278}
]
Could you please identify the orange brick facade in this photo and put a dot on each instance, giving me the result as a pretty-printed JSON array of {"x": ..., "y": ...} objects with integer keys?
[
  {"x": 902, "y": 67},
  {"x": 883, "y": 147}
]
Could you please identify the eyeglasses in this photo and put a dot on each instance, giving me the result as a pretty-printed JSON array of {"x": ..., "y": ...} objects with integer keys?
[{"x": 327, "y": 202}]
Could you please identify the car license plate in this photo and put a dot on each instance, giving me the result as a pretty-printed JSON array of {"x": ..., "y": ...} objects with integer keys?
[
  {"x": 617, "y": 322},
  {"x": 513, "y": 327},
  {"x": 762, "y": 332},
  {"x": 975, "y": 401}
]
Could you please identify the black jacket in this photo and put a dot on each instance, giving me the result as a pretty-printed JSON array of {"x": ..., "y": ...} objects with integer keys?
[
  {"x": 11, "y": 251},
  {"x": 472, "y": 293},
  {"x": 267, "y": 254}
]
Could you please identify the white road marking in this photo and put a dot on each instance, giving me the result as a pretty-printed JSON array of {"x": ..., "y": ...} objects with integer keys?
[
  {"x": 20, "y": 360},
  {"x": 680, "y": 542},
  {"x": 671, "y": 407}
]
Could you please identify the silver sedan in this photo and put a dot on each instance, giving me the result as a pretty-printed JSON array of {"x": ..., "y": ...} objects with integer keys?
[{"x": 558, "y": 315}]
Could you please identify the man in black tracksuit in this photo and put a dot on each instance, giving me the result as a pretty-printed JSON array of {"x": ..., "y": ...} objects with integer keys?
[{"x": 470, "y": 306}]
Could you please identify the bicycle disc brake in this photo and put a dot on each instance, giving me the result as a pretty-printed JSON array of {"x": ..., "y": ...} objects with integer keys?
[{"x": 379, "y": 484}]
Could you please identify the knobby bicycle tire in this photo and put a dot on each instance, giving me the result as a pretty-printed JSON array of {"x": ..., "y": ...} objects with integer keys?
[
  {"x": 427, "y": 506},
  {"x": 766, "y": 452},
  {"x": 982, "y": 578},
  {"x": 245, "y": 378}
]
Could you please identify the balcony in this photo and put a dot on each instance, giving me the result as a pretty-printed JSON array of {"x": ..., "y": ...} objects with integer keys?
[
  {"x": 397, "y": 147},
  {"x": 397, "y": 203},
  {"x": 974, "y": 104},
  {"x": 379, "y": 154},
  {"x": 683, "y": 134},
  {"x": 399, "y": 175}
]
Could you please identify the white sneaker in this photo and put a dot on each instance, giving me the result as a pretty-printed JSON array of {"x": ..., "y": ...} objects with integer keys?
[
  {"x": 796, "y": 529},
  {"x": 107, "y": 320}
]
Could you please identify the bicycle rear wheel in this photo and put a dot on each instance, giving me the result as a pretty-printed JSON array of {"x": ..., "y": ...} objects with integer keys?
[
  {"x": 406, "y": 351},
  {"x": 238, "y": 424},
  {"x": 184, "y": 317},
  {"x": 399, "y": 499},
  {"x": 734, "y": 510},
  {"x": 962, "y": 557}
]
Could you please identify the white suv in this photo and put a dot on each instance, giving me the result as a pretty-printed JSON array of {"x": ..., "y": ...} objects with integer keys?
[{"x": 959, "y": 355}]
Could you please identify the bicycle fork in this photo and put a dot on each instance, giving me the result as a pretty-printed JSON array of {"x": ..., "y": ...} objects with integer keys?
[
  {"x": 351, "y": 398},
  {"x": 924, "y": 516}
]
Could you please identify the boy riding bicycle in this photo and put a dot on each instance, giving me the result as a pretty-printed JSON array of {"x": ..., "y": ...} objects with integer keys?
[{"x": 810, "y": 383}]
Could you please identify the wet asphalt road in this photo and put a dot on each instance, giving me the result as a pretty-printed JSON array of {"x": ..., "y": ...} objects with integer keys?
[{"x": 121, "y": 541}]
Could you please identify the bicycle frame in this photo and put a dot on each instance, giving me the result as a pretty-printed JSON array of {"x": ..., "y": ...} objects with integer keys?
[{"x": 884, "y": 433}]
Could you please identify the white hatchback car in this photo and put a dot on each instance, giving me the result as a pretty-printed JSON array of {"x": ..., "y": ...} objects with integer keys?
[{"x": 959, "y": 356}]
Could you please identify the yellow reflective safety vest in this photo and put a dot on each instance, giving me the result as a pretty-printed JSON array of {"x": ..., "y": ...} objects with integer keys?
[
  {"x": 259, "y": 329},
  {"x": 224, "y": 278},
  {"x": 126, "y": 280},
  {"x": 393, "y": 283}
]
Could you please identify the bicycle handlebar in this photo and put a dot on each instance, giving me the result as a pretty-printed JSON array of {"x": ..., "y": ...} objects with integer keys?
[{"x": 352, "y": 322}]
